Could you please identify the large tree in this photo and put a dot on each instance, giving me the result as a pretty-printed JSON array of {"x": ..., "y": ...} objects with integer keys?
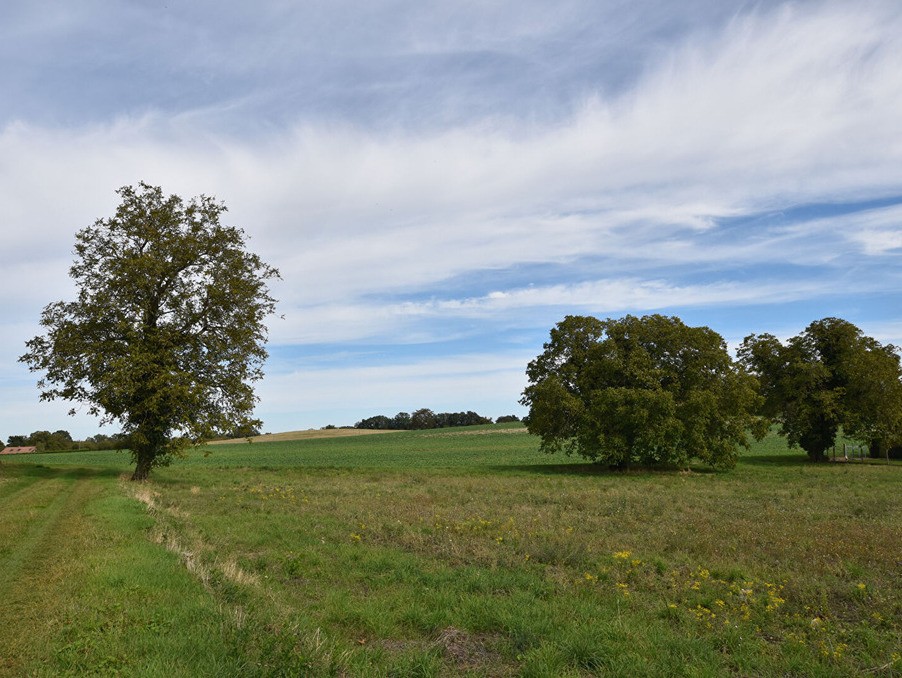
[
  {"x": 167, "y": 334},
  {"x": 829, "y": 377},
  {"x": 648, "y": 390}
]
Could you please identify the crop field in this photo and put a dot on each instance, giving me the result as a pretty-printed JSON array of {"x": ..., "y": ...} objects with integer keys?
[{"x": 445, "y": 553}]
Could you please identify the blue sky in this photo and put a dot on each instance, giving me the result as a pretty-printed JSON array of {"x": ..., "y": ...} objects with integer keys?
[{"x": 440, "y": 183}]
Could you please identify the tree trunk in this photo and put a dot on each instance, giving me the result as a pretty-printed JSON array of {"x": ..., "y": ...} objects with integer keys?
[
  {"x": 142, "y": 468},
  {"x": 147, "y": 444}
]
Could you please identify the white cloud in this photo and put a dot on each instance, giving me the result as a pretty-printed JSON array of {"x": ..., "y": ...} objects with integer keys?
[
  {"x": 612, "y": 296},
  {"x": 789, "y": 105},
  {"x": 879, "y": 241},
  {"x": 406, "y": 322},
  {"x": 876, "y": 232},
  {"x": 889, "y": 332},
  {"x": 776, "y": 109}
]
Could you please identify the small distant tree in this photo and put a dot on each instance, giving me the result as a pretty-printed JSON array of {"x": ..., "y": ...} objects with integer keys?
[
  {"x": 62, "y": 440},
  {"x": 17, "y": 441},
  {"x": 167, "y": 333},
  {"x": 829, "y": 377},
  {"x": 647, "y": 390},
  {"x": 379, "y": 422},
  {"x": 471, "y": 418},
  {"x": 244, "y": 431},
  {"x": 507, "y": 419},
  {"x": 423, "y": 419},
  {"x": 39, "y": 439},
  {"x": 101, "y": 441},
  {"x": 401, "y": 421}
]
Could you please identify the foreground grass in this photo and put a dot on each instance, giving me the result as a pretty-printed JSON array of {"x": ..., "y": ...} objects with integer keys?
[
  {"x": 83, "y": 591},
  {"x": 449, "y": 553}
]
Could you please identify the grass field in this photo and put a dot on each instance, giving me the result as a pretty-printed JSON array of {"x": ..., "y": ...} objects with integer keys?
[
  {"x": 306, "y": 434},
  {"x": 453, "y": 552}
]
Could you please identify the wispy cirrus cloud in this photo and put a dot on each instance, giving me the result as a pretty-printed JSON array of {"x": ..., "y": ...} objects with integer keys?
[{"x": 475, "y": 173}]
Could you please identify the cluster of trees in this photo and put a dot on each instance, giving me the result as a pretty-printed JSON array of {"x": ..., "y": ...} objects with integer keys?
[
  {"x": 422, "y": 419},
  {"x": 44, "y": 441},
  {"x": 645, "y": 390},
  {"x": 61, "y": 441},
  {"x": 652, "y": 390},
  {"x": 829, "y": 378}
]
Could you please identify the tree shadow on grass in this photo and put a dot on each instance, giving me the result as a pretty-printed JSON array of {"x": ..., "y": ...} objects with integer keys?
[
  {"x": 554, "y": 469},
  {"x": 789, "y": 459},
  {"x": 803, "y": 460},
  {"x": 588, "y": 469}
]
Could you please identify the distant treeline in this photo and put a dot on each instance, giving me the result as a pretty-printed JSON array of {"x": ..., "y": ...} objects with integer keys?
[
  {"x": 426, "y": 419},
  {"x": 61, "y": 441}
]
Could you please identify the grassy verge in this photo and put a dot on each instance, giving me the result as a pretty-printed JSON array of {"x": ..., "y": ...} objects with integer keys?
[
  {"x": 451, "y": 553},
  {"x": 83, "y": 591}
]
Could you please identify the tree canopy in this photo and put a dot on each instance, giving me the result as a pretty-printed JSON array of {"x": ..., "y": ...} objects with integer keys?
[
  {"x": 648, "y": 390},
  {"x": 167, "y": 333},
  {"x": 829, "y": 377}
]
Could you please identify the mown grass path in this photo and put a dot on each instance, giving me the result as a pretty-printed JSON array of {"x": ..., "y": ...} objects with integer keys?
[
  {"x": 82, "y": 590},
  {"x": 41, "y": 509},
  {"x": 33, "y": 516}
]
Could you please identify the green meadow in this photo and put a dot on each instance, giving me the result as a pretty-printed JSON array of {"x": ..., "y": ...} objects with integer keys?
[{"x": 446, "y": 553}]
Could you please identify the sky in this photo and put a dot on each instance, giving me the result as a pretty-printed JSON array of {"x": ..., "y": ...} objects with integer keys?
[{"x": 440, "y": 183}]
